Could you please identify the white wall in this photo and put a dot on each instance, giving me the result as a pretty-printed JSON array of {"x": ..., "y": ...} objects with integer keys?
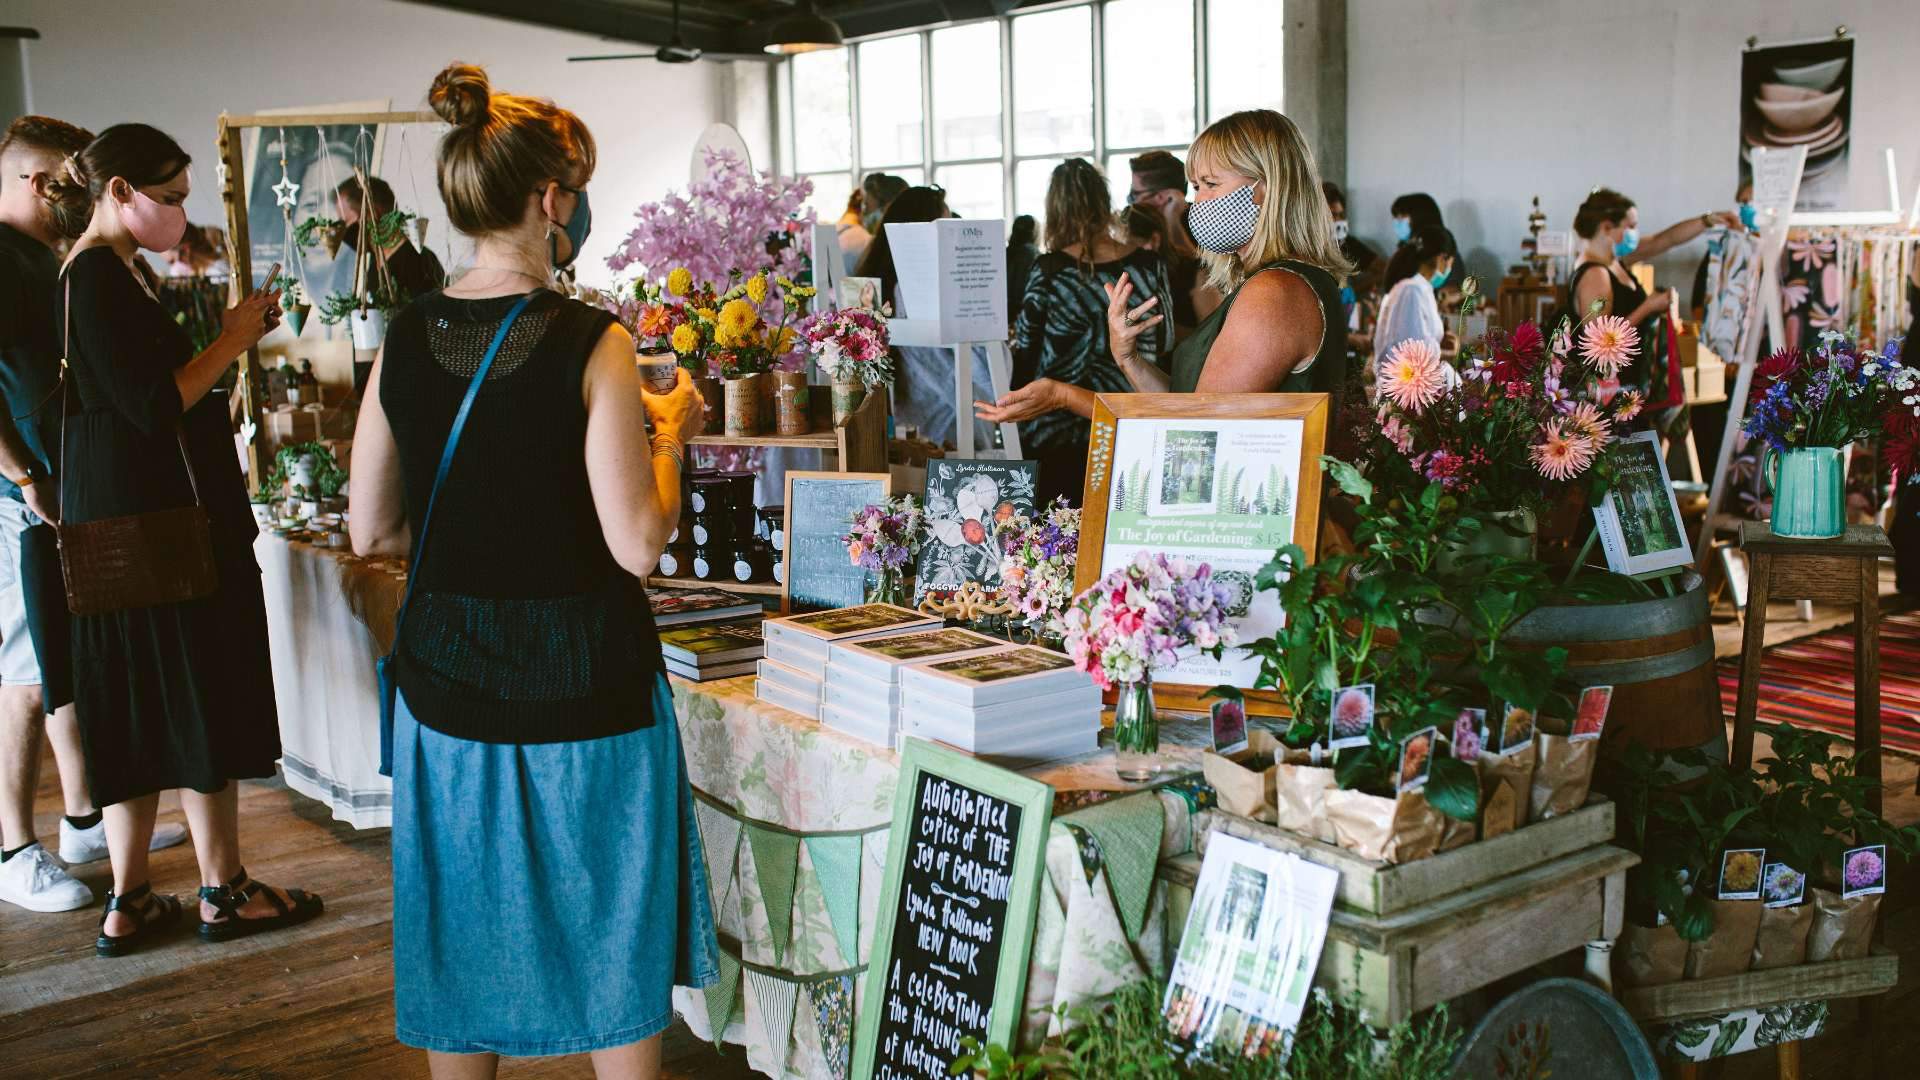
[
  {"x": 177, "y": 64},
  {"x": 1486, "y": 103}
]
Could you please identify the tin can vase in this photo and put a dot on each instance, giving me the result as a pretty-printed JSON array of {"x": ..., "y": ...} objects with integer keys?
[
  {"x": 790, "y": 402},
  {"x": 745, "y": 410},
  {"x": 1809, "y": 492},
  {"x": 713, "y": 392},
  {"x": 847, "y": 396},
  {"x": 1136, "y": 732}
]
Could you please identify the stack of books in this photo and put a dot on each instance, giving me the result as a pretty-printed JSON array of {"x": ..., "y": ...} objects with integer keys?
[
  {"x": 862, "y": 691},
  {"x": 678, "y": 607},
  {"x": 1018, "y": 705},
  {"x": 703, "y": 651},
  {"x": 794, "y": 672}
]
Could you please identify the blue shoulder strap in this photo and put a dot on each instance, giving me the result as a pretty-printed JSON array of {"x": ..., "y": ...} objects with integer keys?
[{"x": 446, "y": 456}]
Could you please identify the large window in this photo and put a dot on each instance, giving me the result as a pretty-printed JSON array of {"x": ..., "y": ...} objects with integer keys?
[{"x": 987, "y": 109}]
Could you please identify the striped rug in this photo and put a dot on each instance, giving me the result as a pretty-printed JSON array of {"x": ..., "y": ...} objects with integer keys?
[{"x": 1809, "y": 682}]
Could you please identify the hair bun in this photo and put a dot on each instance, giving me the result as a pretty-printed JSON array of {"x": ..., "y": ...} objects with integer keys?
[{"x": 461, "y": 95}]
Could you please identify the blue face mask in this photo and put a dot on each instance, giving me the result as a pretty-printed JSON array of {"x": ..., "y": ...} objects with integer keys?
[
  {"x": 1627, "y": 242},
  {"x": 1439, "y": 276},
  {"x": 1402, "y": 229},
  {"x": 576, "y": 229},
  {"x": 1748, "y": 215}
]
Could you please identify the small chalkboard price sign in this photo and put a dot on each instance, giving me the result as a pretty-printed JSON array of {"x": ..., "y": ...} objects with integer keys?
[
  {"x": 964, "y": 863},
  {"x": 820, "y": 510}
]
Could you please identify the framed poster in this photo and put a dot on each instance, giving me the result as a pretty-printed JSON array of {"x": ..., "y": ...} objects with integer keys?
[
  {"x": 1224, "y": 479},
  {"x": 957, "y": 904},
  {"x": 1801, "y": 94},
  {"x": 317, "y": 159},
  {"x": 820, "y": 509},
  {"x": 1639, "y": 520},
  {"x": 967, "y": 501}
]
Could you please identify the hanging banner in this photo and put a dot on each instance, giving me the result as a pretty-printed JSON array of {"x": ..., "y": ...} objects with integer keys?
[{"x": 1801, "y": 95}]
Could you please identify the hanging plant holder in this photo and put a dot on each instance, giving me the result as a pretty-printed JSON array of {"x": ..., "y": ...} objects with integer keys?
[
  {"x": 369, "y": 328},
  {"x": 330, "y": 239},
  {"x": 297, "y": 316}
]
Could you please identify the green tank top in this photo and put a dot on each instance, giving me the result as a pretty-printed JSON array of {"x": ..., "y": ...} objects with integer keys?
[{"x": 1325, "y": 375}]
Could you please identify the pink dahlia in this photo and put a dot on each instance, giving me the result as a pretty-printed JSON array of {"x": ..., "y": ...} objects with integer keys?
[
  {"x": 1560, "y": 455},
  {"x": 1412, "y": 377},
  {"x": 1629, "y": 406},
  {"x": 1589, "y": 423},
  {"x": 1609, "y": 342},
  {"x": 1864, "y": 869}
]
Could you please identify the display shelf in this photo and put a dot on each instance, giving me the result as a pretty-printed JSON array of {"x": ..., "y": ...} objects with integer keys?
[
  {"x": 758, "y": 588},
  {"x": 861, "y": 442},
  {"x": 1875, "y": 973}
]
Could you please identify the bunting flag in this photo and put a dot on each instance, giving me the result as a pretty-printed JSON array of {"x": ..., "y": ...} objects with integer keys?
[
  {"x": 836, "y": 865},
  {"x": 721, "y": 996},
  {"x": 1127, "y": 833},
  {"x": 720, "y": 839},
  {"x": 832, "y": 1001},
  {"x": 773, "y": 999},
  {"x": 776, "y": 862}
]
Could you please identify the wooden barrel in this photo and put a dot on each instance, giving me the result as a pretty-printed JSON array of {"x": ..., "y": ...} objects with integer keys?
[{"x": 1657, "y": 655}]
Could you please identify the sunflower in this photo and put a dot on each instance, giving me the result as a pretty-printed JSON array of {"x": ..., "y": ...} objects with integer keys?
[{"x": 680, "y": 281}]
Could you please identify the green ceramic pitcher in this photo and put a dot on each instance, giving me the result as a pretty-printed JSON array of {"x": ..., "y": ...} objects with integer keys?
[{"x": 1809, "y": 492}]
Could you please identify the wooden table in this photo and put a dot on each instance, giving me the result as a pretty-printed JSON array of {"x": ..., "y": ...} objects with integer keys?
[{"x": 1844, "y": 570}]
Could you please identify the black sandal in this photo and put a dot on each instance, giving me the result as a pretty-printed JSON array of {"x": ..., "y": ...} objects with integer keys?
[
  {"x": 228, "y": 899},
  {"x": 156, "y": 913}
]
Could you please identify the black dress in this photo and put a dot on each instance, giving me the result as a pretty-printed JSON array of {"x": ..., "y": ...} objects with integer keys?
[{"x": 176, "y": 695}]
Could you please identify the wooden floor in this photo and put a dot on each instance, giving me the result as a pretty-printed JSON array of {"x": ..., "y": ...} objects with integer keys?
[{"x": 317, "y": 1001}]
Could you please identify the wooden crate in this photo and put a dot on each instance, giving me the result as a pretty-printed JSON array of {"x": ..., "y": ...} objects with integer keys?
[
  {"x": 1874, "y": 974},
  {"x": 1397, "y": 965},
  {"x": 1377, "y": 888}
]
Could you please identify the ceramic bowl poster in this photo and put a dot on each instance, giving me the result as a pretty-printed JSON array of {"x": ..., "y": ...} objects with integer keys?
[{"x": 1801, "y": 95}]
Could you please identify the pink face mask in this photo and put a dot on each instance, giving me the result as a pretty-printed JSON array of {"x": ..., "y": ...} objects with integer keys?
[{"x": 155, "y": 226}]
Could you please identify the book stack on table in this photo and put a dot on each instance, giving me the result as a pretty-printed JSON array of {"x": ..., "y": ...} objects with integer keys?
[
  {"x": 705, "y": 633},
  {"x": 1019, "y": 705},
  {"x": 861, "y": 695},
  {"x": 793, "y": 673}
]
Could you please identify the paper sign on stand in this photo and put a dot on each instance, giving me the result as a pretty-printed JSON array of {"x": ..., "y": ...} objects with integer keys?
[
  {"x": 953, "y": 272},
  {"x": 827, "y": 265}
]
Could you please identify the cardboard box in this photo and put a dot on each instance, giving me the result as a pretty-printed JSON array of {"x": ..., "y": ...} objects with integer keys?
[{"x": 289, "y": 425}]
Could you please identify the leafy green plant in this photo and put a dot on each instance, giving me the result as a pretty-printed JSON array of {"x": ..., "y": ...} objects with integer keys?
[
  {"x": 328, "y": 476},
  {"x": 1126, "y": 1038},
  {"x": 1679, "y": 829},
  {"x": 1812, "y": 805},
  {"x": 307, "y": 233}
]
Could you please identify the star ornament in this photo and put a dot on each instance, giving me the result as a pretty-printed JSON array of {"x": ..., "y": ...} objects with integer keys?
[{"x": 286, "y": 193}]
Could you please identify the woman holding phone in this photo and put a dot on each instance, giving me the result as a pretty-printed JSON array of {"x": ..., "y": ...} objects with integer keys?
[{"x": 173, "y": 695}]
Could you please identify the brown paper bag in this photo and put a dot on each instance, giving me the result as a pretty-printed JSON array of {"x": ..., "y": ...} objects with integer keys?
[
  {"x": 1386, "y": 830},
  {"x": 1503, "y": 806},
  {"x": 1842, "y": 929},
  {"x": 1300, "y": 797},
  {"x": 1515, "y": 771},
  {"x": 1782, "y": 940},
  {"x": 1649, "y": 956},
  {"x": 1561, "y": 774},
  {"x": 1729, "y": 949},
  {"x": 1244, "y": 782}
]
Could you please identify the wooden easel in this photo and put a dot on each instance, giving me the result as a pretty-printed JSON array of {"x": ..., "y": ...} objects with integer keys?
[{"x": 233, "y": 195}]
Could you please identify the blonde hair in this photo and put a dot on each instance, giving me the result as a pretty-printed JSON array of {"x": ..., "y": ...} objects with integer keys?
[
  {"x": 501, "y": 148},
  {"x": 1295, "y": 222}
]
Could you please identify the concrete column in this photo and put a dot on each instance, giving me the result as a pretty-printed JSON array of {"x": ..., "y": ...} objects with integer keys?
[{"x": 1314, "y": 77}]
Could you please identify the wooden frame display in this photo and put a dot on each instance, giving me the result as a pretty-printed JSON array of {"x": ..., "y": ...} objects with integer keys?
[
  {"x": 884, "y": 480},
  {"x": 969, "y": 836},
  {"x": 1248, "y": 481}
]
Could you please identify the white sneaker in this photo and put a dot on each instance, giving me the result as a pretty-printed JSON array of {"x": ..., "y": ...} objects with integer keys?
[
  {"x": 34, "y": 881},
  {"x": 87, "y": 845}
]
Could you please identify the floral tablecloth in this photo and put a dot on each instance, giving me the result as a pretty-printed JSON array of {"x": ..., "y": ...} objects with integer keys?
[{"x": 794, "y": 817}]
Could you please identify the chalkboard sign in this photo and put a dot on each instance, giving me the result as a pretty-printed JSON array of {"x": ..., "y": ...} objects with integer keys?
[
  {"x": 964, "y": 861},
  {"x": 820, "y": 510}
]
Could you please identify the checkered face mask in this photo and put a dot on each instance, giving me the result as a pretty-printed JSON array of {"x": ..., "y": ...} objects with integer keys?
[{"x": 1224, "y": 225}]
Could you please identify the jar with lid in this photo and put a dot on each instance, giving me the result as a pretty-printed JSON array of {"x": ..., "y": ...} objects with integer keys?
[
  {"x": 674, "y": 561},
  {"x": 711, "y": 563}
]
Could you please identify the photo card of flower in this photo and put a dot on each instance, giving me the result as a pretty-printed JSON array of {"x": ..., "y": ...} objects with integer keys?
[
  {"x": 1467, "y": 739},
  {"x": 1639, "y": 520},
  {"x": 968, "y": 503},
  {"x": 1782, "y": 886},
  {"x": 1416, "y": 759},
  {"x": 1863, "y": 870},
  {"x": 1352, "y": 716},
  {"x": 1590, "y": 716},
  {"x": 1740, "y": 873},
  {"x": 1514, "y": 731},
  {"x": 859, "y": 292},
  {"x": 1229, "y": 727},
  {"x": 1220, "y": 479}
]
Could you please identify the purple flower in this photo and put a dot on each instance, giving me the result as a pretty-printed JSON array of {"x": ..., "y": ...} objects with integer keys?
[{"x": 1864, "y": 869}]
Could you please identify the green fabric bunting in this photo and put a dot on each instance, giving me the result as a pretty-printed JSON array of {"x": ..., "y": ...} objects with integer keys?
[
  {"x": 836, "y": 864},
  {"x": 720, "y": 840},
  {"x": 721, "y": 997},
  {"x": 1128, "y": 832},
  {"x": 776, "y": 861},
  {"x": 773, "y": 1000}
]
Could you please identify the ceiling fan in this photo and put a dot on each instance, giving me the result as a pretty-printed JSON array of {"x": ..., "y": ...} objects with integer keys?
[{"x": 676, "y": 50}]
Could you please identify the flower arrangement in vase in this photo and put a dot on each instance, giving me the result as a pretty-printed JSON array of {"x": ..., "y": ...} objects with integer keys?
[
  {"x": 1136, "y": 619},
  {"x": 1809, "y": 405},
  {"x": 1038, "y": 556},
  {"x": 726, "y": 330},
  {"x": 1512, "y": 427},
  {"x": 850, "y": 346},
  {"x": 885, "y": 540}
]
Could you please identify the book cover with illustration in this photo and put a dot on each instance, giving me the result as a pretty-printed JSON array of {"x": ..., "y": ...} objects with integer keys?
[{"x": 967, "y": 504}]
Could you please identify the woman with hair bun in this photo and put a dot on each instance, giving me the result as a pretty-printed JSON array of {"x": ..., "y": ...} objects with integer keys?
[
  {"x": 548, "y": 883},
  {"x": 1610, "y": 224},
  {"x": 173, "y": 695}
]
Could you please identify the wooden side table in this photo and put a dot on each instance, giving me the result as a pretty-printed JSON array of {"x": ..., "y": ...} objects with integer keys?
[{"x": 1843, "y": 570}]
